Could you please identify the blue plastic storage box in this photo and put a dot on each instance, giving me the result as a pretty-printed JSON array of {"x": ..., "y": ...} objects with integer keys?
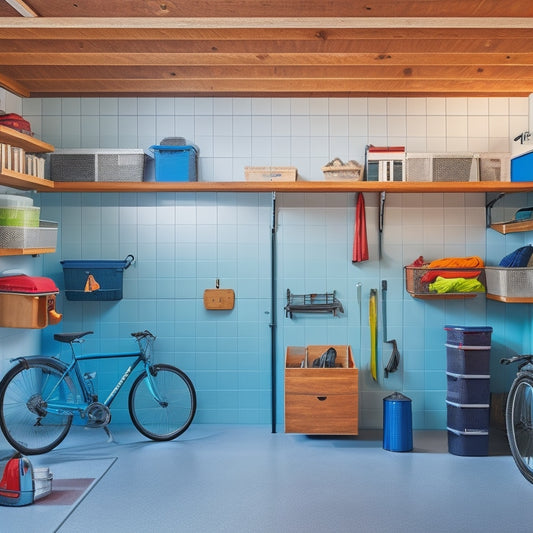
[
  {"x": 80, "y": 276},
  {"x": 175, "y": 163},
  {"x": 522, "y": 167}
]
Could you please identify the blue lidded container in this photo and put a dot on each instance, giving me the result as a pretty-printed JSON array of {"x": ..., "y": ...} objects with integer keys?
[{"x": 397, "y": 423}]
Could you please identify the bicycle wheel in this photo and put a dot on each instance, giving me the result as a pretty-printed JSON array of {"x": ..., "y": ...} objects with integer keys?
[
  {"x": 170, "y": 419},
  {"x": 25, "y": 391},
  {"x": 519, "y": 422}
]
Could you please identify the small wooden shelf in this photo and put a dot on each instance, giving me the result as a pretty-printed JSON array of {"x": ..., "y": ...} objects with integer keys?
[
  {"x": 26, "y": 251},
  {"x": 27, "y": 142},
  {"x": 25, "y": 182},
  {"x": 513, "y": 226}
]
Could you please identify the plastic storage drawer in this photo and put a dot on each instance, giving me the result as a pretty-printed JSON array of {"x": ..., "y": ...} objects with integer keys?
[
  {"x": 468, "y": 443},
  {"x": 468, "y": 417},
  {"x": 468, "y": 389},
  {"x": 473, "y": 360}
]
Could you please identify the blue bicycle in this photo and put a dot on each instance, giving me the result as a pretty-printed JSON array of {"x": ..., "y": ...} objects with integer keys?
[{"x": 39, "y": 397}]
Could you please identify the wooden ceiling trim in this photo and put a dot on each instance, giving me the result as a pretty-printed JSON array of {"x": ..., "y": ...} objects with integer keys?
[
  {"x": 36, "y": 72},
  {"x": 22, "y": 8},
  {"x": 200, "y": 59},
  {"x": 14, "y": 87},
  {"x": 302, "y": 34},
  {"x": 268, "y": 22},
  {"x": 268, "y": 85},
  {"x": 279, "y": 46},
  {"x": 266, "y": 8}
]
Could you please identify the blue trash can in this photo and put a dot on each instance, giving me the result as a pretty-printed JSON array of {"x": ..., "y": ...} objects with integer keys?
[{"x": 397, "y": 423}]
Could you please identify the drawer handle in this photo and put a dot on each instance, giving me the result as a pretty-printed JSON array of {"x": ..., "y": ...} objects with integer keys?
[{"x": 321, "y": 398}]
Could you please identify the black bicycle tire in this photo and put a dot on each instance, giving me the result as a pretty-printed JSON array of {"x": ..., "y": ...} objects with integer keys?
[
  {"x": 56, "y": 366},
  {"x": 510, "y": 410},
  {"x": 192, "y": 394}
]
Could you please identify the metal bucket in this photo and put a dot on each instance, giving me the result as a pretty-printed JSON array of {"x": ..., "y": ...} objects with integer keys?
[{"x": 397, "y": 423}]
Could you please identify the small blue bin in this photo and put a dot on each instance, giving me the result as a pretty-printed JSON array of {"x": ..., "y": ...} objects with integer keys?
[
  {"x": 175, "y": 163},
  {"x": 107, "y": 273},
  {"x": 397, "y": 423},
  {"x": 522, "y": 167}
]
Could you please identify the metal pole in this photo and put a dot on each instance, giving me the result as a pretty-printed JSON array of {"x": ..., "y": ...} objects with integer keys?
[{"x": 273, "y": 311}]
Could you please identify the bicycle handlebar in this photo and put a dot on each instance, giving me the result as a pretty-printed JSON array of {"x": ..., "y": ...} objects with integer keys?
[
  {"x": 143, "y": 334},
  {"x": 516, "y": 358}
]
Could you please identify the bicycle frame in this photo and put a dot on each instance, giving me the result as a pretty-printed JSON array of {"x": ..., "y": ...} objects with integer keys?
[{"x": 72, "y": 369}]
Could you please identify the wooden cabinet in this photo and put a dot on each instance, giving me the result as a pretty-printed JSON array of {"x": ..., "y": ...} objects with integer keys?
[{"x": 321, "y": 400}]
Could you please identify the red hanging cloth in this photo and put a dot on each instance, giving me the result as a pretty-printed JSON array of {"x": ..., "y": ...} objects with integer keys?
[{"x": 360, "y": 242}]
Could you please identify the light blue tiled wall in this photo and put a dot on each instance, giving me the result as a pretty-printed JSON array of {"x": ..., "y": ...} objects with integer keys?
[{"x": 183, "y": 242}]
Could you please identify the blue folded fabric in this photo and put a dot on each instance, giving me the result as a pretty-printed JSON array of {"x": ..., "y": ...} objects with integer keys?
[{"x": 518, "y": 258}]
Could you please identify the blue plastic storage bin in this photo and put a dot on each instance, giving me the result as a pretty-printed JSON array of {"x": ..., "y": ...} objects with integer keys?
[
  {"x": 175, "y": 163},
  {"x": 468, "y": 335},
  {"x": 522, "y": 167},
  {"x": 107, "y": 273}
]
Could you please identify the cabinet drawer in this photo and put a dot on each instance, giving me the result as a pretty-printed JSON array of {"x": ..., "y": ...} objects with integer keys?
[
  {"x": 321, "y": 414},
  {"x": 325, "y": 382}
]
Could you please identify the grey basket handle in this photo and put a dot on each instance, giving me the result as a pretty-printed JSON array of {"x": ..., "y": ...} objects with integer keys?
[{"x": 129, "y": 260}]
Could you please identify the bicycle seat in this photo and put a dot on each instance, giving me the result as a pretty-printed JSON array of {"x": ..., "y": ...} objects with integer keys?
[{"x": 70, "y": 337}]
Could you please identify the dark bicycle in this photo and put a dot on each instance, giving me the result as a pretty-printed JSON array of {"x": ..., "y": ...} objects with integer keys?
[{"x": 519, "y": 414}]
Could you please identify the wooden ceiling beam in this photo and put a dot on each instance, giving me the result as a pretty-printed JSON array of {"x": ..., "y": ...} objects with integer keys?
[
  {"x": 279, "y": 46},
  {"x": 486, "y": 72}
]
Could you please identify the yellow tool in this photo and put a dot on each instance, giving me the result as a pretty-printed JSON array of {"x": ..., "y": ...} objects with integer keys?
[{"x": 373, "y": 322}]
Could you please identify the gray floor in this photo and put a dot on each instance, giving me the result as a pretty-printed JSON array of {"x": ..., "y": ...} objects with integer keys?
[{"x": 246, "y": 479}]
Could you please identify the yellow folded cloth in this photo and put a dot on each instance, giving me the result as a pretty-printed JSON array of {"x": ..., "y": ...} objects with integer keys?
[
  {"x": 442, "y": 285},
  {"x": 91, "y": 284}
]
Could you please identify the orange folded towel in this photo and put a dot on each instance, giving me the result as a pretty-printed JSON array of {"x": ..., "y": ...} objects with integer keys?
[{"x": 457, "y": 262}]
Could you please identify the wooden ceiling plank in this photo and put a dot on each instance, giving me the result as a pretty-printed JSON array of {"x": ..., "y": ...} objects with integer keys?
[
  {"x": 37, "y": 72},
  {"x": 286, "y": 85},
  {"x": 199, "y": 59},
  {"x": 312, "y": 34},
  {"x": 385, "y": 45},
  {"x": 118, "y": 23},
  {"x": 228, "y": 8}
]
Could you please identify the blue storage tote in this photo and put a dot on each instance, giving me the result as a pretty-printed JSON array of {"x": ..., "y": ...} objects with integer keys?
[
  {"x": 522, "y": 167},
  {"x": 175, "y": 163},
  {"x": 468, "y": 335},
  {"x": 94, "y": 280}
]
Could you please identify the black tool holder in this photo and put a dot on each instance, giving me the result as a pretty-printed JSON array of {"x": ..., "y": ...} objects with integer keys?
[{"x": 312, "y": 303}]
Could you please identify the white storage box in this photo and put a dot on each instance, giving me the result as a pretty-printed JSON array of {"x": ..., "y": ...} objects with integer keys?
[{"x": 96, "y": 165}]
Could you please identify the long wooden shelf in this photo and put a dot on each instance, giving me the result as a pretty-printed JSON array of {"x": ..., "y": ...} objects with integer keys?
[{"x": 295, "y": 187}]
